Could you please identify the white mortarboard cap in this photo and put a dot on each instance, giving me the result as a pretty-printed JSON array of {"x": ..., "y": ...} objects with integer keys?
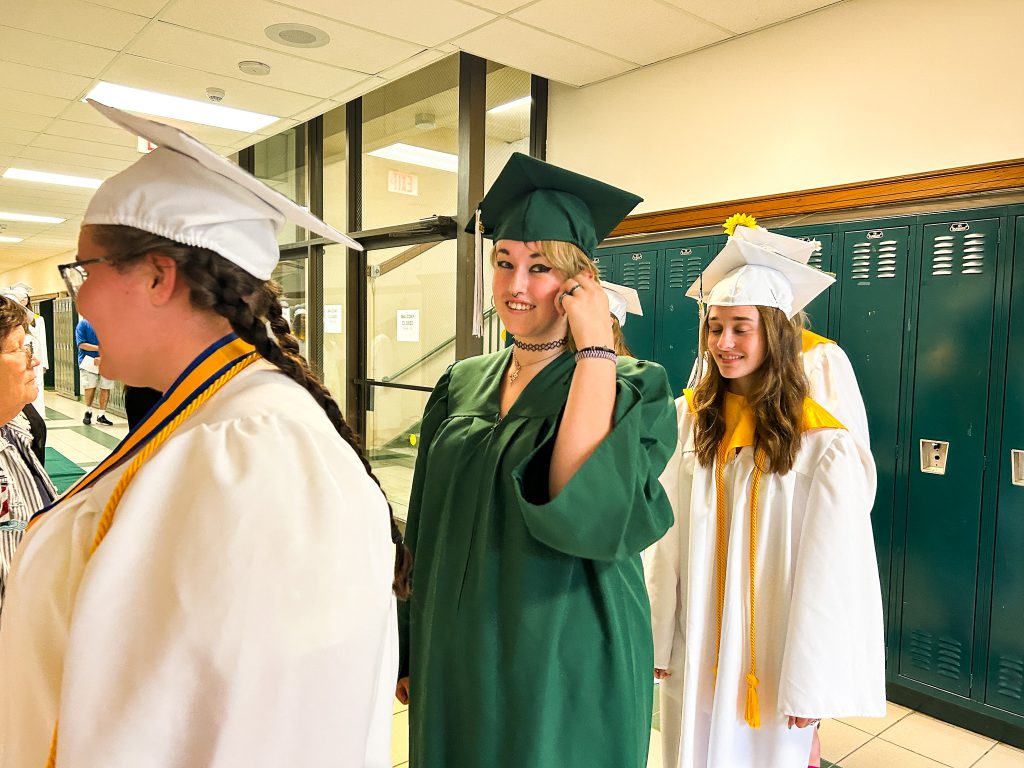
[
  {"x": 621, "y": 300},
  {"x": 19, "y": 291},
  {"x": 793, "y": 247},
  {"x": 186, "y": 192},
  {"x": 746, "y": 273}
]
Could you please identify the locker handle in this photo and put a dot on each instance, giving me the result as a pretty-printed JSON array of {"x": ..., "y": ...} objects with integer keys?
[{"x": 1017, "y": 466}]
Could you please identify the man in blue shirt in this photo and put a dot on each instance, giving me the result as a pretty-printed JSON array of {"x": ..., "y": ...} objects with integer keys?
[{"x": 89, "y": 366}]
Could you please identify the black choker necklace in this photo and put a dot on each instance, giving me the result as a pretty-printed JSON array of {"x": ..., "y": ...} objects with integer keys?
[{"x": 541, "y": 347}]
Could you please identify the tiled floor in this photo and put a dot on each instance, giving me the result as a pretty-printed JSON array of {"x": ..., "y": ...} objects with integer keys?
[{"x": 902, "y": 739}]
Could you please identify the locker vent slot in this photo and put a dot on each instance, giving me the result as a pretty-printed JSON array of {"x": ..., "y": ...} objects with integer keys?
[
  {"x": 874, "y": 260},
  {"x": 1010, "y": 679},
  {"x": 958, "y": 254},
  {"x": 815, "y": 260},
  {"x": 679, "y": 275},
  {"x": 949, "y": 658},
  {"x": 637, "y": 275},
  {"x": 921, "y": 649}
]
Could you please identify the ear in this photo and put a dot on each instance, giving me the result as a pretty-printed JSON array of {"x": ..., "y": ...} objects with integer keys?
[{"x": 162, "y": 278}]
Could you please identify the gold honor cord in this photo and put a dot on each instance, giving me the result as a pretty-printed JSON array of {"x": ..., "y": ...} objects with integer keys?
[
  {"x": 752, "y": 714},
  {"x": 107, "y": 518}
]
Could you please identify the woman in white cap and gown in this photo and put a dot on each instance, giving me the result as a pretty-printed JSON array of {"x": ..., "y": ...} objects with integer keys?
[
  {"x": 219, "y": 591},
  {"x": 757, "y": 635}
]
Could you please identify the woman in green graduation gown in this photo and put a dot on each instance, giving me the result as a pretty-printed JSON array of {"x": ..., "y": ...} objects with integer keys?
[{"x": 527, "y": 642}]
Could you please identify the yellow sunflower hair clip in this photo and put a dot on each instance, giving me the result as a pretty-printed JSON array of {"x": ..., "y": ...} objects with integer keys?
[{"x": 739, "y": 219}]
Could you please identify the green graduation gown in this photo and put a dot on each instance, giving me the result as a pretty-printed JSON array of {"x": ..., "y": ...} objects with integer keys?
[{"x": 528, "y": 636}]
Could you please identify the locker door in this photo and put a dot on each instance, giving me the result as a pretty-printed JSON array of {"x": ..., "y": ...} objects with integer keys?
[
  {"x": 874, "y": 280},
  {"x": 1006, "y": 642},
  {"x": 676, "y": 325},
  {"x": 817, "y": 310},
  {"x": 607, "y": 263},
  {"x": 638, "y": 269},
  {"x": 949, "y": 406}
]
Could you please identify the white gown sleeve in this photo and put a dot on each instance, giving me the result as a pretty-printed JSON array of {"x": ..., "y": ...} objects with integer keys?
[
  {"x": 834, "y": 660},
  {"x": 239, "y": 612}
]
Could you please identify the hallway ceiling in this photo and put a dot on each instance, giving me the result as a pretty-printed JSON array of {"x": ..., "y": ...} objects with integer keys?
[{"x": 52, "y": 52}]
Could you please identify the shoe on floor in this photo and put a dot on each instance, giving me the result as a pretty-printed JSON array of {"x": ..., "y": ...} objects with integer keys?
[
  {"x": 87, "y": 419},
  {"x": 104, "y": 421}
]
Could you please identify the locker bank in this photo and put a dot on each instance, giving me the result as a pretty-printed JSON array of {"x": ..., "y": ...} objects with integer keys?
[{"x": 889, "y": 131}]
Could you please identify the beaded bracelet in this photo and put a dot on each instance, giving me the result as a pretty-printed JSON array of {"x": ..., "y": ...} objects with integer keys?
[{"x": 600, "y": 352}]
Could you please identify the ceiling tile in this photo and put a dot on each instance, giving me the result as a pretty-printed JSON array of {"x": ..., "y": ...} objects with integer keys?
[
  {"x": 92, "y": 148},
  {"x": 192, "y": 84},
  {"x": 419, "y": 61},
  {"x": 427, "y": 22},
  {"x": 499, "y": 6},
  {"x": 176, "y": 45},
  {"x": 23, "y": 101},
  {"x": 104, "y": 134},
  {"x": 643, "y": 31},
  {"x": 746, "y": 15},
  {"x": 52, "y": 53},
  {"x": 10, "y": 150},
  {"x": 321, "y": 107},
  {"x": 56, "y": 160},
  {"x": 10, "y": 118},
  {"x": 245, "y": 20},
  {"x": 44, "y": 81},
  {"x": 148, "y": 8},
  {"x": 517, "y": 45},
  {"x": 16, "y": 136},
  {"x": 74, "y": 20}
]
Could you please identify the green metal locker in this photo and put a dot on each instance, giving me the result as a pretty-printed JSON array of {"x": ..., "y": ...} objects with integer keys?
[
  {"x": 947, "y": 445},
  {"x": 870, "y": 331},
  {"x": 638, "y": 269},
  {"x": 1005, "y": 669},
  {"x": 822, "y": 258},
  {"x": 606, "y": 261},
  {"x": 681, "y": 263}
]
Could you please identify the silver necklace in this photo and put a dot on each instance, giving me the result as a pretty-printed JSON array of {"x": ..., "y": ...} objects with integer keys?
[{"x": 517, "y": 366}]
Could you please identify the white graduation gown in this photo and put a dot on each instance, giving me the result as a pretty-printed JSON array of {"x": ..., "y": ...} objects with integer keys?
[
  {"x": 38, "y": 332},
  {"x": 238, "y": 613},
  {"x": 820, "y": 645}
]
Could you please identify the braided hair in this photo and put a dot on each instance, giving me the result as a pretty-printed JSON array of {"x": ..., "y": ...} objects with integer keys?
[{"x": 248, "y": 304}]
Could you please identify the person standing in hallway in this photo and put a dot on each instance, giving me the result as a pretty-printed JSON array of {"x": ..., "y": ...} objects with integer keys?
[
  {"x": 33, "y": 412},
  {"x": 89, "y": 367},
  {"x": 220, "y": 591},
  {"x": 527, "y": 640},
  {"x": 756, "y": 638},
  {"x": 24, "y": 485}
]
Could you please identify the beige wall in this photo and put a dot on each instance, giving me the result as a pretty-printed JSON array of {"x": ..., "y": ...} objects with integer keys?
[
  {"x": 861, "y": 90},
  {"x": 41, "y": 275}
]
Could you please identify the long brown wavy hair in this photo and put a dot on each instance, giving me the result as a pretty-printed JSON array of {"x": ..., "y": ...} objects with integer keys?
[
  {"x": 249, "y": 305},
  {"x": 777, "y": 397}
]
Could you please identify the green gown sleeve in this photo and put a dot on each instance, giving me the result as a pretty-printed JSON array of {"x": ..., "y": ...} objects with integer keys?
[
  {"x": 433, "y": 415},
  {"x": 613, "y": 506}
]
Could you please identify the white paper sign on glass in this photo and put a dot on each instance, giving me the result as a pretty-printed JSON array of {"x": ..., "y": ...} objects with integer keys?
[
  {"x": 332, "y": 318},
  {"x": 408, "y": 324}
]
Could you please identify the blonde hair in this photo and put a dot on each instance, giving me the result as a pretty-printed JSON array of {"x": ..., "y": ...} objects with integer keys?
[
  {"x": 570, "y": 260},
  {"x": 777, "y": 397}
]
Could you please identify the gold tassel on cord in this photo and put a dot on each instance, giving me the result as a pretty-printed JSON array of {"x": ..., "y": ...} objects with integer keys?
[{"x": 753, "y": 712}]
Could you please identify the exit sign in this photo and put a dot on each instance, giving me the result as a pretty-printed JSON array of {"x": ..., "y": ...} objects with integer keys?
[{"x": 403, "y": 183}]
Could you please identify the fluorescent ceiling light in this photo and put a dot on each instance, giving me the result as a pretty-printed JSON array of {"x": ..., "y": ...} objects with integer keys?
[
  {"x": 407, "y": 153},
  {"x": 6, "y": 239},
  {"x": 523, "y": 102},
  {"x": 4, "y": 216},
  {"x": 175, "y": 107},
  {"x": 52, "y": 178}
]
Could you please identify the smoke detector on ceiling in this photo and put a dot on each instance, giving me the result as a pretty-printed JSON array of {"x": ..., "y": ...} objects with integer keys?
[
  {"x": 425, "y": 120},
  {"x": 216, "y": 95},
  {"x": 297, "y": 35},
  {"x": 254, "y": 68}
]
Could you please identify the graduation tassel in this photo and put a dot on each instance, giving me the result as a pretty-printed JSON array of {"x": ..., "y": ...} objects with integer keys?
[
  {"x": 753, "y": 712},
  {"x": 478, "y": 277}
]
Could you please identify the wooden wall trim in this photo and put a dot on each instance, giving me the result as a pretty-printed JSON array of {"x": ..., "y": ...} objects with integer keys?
[{"x": 988, "y": 177}]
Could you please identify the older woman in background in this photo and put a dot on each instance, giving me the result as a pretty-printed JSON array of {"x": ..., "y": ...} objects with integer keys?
[{"x": 24, "y": 486}]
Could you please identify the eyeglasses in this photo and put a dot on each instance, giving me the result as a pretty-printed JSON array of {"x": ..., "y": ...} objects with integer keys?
[
  {"x": 74, "y": 274},
  {"x": 28, "y": 350}
]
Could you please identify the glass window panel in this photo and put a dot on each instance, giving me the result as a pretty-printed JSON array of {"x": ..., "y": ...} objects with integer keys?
[
  {"x": 391, "y": 450},
  {"x": 336, "y": 170},
  {"x": 280, "y": 162},
  {"x": 335, "y": 322},
  {"x": 506, "y": 130},
  {"x": 411, "y": 147},
  {"x": 290, "y": 274}
]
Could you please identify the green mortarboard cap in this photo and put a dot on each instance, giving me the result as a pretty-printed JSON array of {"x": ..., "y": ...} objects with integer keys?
[{"x": 533, "y": 200}]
